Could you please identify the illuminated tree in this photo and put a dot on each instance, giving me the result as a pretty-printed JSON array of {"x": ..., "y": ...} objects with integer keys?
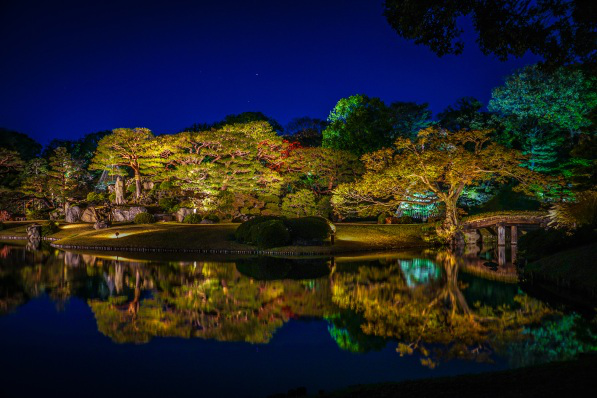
[
  {"x": 322, "y": 169},
  {"x": 35, "y": 178},
  {"x": 358, "y": 124},
  {"x": 435, "y": 167},
  {"x": 560, "y": 31},
  {"x": 542, "y": 110},
  {"x": 132, "y": 148},
  {"x": 65, "y": 176},
  {"x": 241, "y": 158}
]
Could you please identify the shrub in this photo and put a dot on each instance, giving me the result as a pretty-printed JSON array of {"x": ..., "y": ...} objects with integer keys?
[
  {"x": 272, "y": 233},
  {"x": 96, "y": 197},
  {"x": 144, "y": 218},
  {"x": 31, "y": 214},
  {"x": 50, "y": 228},
  {"x": 167, "y": 204},
  {"x": 112, "y": 197},
  {"x": 131, "y": 188},
  {"x": 243, "y": 232},
  {"x": 404, "y": 220},
  {"x": 381, "y": 219},
  {"x": 192, "y": 218},
  {"x": 212, "y": 218},
  {"x": 311, "y": 228},
  {"x": 166, "y": 186}
]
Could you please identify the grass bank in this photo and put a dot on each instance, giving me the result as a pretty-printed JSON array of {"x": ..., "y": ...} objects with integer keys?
[
  {"x": 574, "y": 269},
  {"x": 558, "y": 379},
  {"x": 171, "y": 236}
]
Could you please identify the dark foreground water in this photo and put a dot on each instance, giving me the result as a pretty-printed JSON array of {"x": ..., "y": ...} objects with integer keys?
[{"x": 85, "y": 325}]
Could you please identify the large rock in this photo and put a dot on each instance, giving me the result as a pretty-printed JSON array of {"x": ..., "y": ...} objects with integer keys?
[
  {"x": 182, "y": 213},
  {"x": 126, "y": 214},
  {"x": 89, "y": 215},
  {"x": 73, "y": 214},
  {"x": 119, "y": 191},
  {"x": 101, "y": 225}
]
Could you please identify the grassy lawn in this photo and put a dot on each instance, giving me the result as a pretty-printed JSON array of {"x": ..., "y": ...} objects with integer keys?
[
  {"x": 575, "y": 268},
  {"x": 172, "y": 235}
]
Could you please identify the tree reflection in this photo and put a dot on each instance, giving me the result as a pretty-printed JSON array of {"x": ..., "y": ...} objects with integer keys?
[
  {"x": 433, "y": 319},
  {"x": 418, "y": 302}
]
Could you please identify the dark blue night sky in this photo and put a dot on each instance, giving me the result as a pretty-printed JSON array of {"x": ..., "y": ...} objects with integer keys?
[{"x": 81, "y": 66}]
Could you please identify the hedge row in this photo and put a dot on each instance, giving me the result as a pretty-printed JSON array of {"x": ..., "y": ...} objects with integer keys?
[{"x": 271, "y": 231}]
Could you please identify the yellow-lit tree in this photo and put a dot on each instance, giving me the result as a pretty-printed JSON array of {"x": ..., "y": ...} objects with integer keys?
[{"x": 435, "y": 167}]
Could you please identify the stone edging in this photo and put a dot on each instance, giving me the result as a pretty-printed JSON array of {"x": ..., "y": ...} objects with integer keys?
[
  {"x": 12, "y": 237},
  {"x": 218, "y": 251}
]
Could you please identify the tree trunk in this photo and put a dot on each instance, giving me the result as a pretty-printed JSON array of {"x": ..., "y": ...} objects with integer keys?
[
  {"x": 137, "y": 185},
  {"x": 449, "y": 226},
  {"x": 119, "y": 191}
]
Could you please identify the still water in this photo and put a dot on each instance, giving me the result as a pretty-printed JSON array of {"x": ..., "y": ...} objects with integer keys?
[{"x": 82, "y": 324}]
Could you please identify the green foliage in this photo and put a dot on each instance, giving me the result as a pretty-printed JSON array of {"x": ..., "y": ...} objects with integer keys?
[
  {"x": 96, "y": 197},
  {"x": 308, "y": 229},
  {"x": 243, "y": 232},
  {"x": 560, "y": 32},
  {"x": 33, "y": 214},
  {"x": 50, "y": 228},
  {"x": 267, "y": 234},
  {"x": 360, "y": 124},
  {"x": 168, "y": 204},
  {"x": 144, "y": 218},
  {"x": 66, "y": 177},
  {"x": 299, "y": 204},
  {"x": 242, "y": 158},
  {"x": 166, "y": 186},
  {"x": 466, "y": 114},
  {"x": 192, "y": 218},
  {"x": 212, "y": 217},
  {"x": 132, "y": 148}
]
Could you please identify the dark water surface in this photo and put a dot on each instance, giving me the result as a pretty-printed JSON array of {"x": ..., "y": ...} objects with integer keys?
[{"x": 75, "y": 324}]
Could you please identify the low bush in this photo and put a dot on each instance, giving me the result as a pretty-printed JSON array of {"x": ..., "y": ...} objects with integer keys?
[
  {"x": 243, "y": 232},
  {"x": 168, "y": 204},
  {"x": 192, "y": 218},
  {"x": 96, "y": 197},
  {"x": 37, "y": 215},
  {"x": 144, "y": 218},
  {"x": 213, "y": 218},
  {"x": 312, "y": 228},
  {"x": 50, "y": 228},
  {"x": 272, "y": 233},
  {"x": 404, "y": 220}
]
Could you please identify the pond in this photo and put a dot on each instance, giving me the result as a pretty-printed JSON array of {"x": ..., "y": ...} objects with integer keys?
[{"x": 226, "y": 326}]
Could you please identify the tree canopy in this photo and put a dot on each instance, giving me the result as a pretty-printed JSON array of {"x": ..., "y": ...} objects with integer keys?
[{"x": 560, "y": 31}]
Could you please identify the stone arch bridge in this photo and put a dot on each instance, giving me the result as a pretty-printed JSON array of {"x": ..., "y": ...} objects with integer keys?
[{"x": 503, "y": 225}]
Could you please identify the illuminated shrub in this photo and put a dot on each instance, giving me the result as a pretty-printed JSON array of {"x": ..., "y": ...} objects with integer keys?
[
  {"x": 31, "y": 214},
  {"x": 144, "y": 218},
  {"x": 213, "y": 218},
  {"x": 50, "y": 228},
  {"x": 192, "y": 218},
  {"x": 243, "y": 232},
  {"x": 96, "y": 197},
  {"x": 272, "y": 233},
  {"x": 311, "y": 229},
  {"x": 168, "y": 204}
]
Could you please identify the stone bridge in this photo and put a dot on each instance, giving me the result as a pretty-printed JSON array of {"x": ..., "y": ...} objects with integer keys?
[{"x": 498, "y": 224}]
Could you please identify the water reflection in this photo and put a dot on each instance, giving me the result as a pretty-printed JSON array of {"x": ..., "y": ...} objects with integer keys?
[{"x": 437, "y": 305}]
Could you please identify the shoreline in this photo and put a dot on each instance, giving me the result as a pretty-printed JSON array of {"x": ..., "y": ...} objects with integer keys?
[{"x": 170, "y": 237}]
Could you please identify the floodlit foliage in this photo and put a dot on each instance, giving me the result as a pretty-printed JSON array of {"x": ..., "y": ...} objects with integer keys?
[
  {"x": 65, "y": 177},
  {"x": 241, "y": 158},
  {"x": 439, "y": 164},
  {"x": 132, "y": 148}
]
